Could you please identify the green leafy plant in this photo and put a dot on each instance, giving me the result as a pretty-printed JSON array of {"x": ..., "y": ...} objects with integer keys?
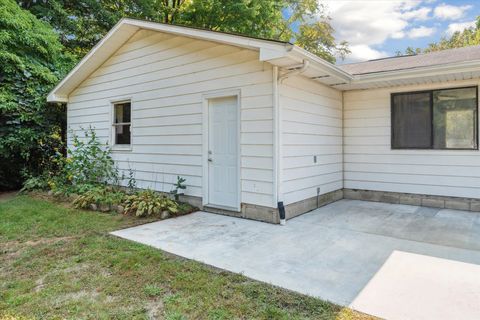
[
  {"x": 99, "y": 196},
  {"x": 89, "y": 161},
  {"x": 179, "y": 185},
  {"x": 148, "y": 202},
  {"x": 35, "y": 183},
  {"x": 131, "y": 182},
  {"x": 89, "y": 165}
]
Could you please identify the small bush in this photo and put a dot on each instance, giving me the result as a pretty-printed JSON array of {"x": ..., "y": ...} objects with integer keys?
[
  {"x": 88, "y": 167},
  {"x": 149, "y": 202},
  {"x": 35, "y": 183},
  {"x": 100, "y": 196}
]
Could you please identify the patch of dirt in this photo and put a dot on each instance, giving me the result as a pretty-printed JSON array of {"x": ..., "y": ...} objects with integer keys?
[
  {"x": 82, "y": 294},
  {"x": 40, "y": 283},
  {"x": 11, "y": 250},
  {"x": 5, "y": 196},
  {"x": 31, "y": 243},
  {"x": 154, "y": 309}
]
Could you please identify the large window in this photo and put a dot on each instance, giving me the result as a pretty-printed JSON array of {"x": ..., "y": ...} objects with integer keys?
[
  {"x": 122, "y": 123},
  {"x": 436, "y": 119}
]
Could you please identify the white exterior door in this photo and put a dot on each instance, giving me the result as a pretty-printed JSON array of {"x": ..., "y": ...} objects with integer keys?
[{"x": 223, "y": 145}]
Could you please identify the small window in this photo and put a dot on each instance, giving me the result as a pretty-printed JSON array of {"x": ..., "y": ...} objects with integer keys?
[
  {"x": 122, "y": 123},
  {"x": 436, "y": 119}
]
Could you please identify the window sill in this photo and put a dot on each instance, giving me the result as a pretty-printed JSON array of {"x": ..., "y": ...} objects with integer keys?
[{"x": 122, "y": 148}]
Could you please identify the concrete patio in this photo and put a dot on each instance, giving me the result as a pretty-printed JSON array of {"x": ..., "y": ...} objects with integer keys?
[{"x": 392, "y": 261}]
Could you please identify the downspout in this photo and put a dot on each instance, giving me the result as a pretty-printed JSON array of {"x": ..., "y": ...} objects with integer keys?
[
  {"x": 343, "y": 142},
  {"x": 277, "y": 146},
  {"x": 298, "y": 70}
]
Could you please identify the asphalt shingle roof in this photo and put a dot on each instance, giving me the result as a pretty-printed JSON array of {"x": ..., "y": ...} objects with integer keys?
[{"x": 413, "y": 61}]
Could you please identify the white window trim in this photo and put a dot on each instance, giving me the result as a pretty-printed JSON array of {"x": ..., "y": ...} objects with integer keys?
[{"x": 120, "y": 147}]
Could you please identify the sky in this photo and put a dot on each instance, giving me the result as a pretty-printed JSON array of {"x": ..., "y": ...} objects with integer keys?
[{"x": 379, "y": 28}]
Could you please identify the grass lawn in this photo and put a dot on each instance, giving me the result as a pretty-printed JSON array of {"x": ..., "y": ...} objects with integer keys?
[{"x": 57, "y": 262}]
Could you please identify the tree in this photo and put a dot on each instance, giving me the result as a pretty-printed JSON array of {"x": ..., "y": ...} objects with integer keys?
[
  {"x": 464, "y": 38},
  {"x": 81, "y": 24},
  {"x": 31, "y": 63}
]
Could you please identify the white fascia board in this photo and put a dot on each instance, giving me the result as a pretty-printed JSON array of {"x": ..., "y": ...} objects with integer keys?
[
  {"x": 54, "y": 98},
  {"x": 271, "y": 54},
  {"x": 418, "y": 72},
  {"x": 227, "y": 38},
  {"x": 56, "y": 92}
]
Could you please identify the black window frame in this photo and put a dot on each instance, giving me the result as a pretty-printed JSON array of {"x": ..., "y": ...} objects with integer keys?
[{"x": 392, "y": 115}]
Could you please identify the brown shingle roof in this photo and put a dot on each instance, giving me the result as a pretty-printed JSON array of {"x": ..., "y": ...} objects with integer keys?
[{"x": 413, "y": 61}]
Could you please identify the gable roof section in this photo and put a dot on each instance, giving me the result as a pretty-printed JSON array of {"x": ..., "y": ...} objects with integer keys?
[
  {"x": 284, "y": 54},
  {"x": 447, "y": 65}
]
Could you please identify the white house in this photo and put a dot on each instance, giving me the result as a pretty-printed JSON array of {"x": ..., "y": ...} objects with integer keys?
[{"x": 252, "y": 122}]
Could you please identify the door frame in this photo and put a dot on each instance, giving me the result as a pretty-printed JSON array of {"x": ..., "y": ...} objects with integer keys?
[{"x": 206, "y": 97}]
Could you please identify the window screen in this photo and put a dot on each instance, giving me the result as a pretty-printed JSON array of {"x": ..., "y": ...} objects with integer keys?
[
  {"x": 122, "y": 123},
  {"x": 412, "y": 118},
  {"x": 437, "y": 119}
]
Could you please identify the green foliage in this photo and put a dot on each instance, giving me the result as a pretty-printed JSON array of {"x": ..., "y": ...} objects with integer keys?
[
  {"x": 465, "y": 38},
  {"x": 179, "y": 185},
  {"x": 35, "y": 183},
  {"x": 89, "y": 162},
  {"x": 87, "y": 167},
  {"x": 131, "y": 181},
  {"x": 147, "y": 203},
  {"x": 81, "y": 24},
  {"x": 99, "y": 196},
  {"x": 31, "y": 61}
]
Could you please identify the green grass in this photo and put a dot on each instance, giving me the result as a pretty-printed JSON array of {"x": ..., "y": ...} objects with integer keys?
[{"x": 57, "y": 262}]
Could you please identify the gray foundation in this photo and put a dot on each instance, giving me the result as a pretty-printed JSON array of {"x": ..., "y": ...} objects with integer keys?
[
  {"x": 249, "y": 211},
  {"x": 300, "y": 207},
  {"x": 424, "y": 200},
  {"x": 292, "y": 210},
  {"x": 267, "y": 214}
]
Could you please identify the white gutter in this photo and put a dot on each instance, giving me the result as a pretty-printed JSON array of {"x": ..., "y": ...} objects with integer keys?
[
  {"x": 296, "y": 70},
  {"x": 320, "y": 64}
]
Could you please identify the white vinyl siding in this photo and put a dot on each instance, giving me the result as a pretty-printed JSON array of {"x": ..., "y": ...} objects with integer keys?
[
  {"x": 371, "y": 164},
  {"x": 311, "y": 125},
  {"x": 165, "y": 77}
]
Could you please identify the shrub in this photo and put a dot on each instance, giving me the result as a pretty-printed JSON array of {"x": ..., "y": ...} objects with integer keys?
[
  {"x": 32, "y": 61},
  {"x": 89, "y": 162},
  {"x": 99, "y": 196},
  {"x": 149, "y": 202},
  {"x": 88, "y": 167},
  {"x": 35, "y": 183}
]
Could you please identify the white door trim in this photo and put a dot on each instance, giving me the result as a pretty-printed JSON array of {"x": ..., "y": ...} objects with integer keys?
[{"x": 205, "y": 142}]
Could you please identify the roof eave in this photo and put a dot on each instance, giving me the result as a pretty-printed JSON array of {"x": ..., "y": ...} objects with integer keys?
[
  {"x": 319, "y": 63},
  {"x": 416, "y": 72}
]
